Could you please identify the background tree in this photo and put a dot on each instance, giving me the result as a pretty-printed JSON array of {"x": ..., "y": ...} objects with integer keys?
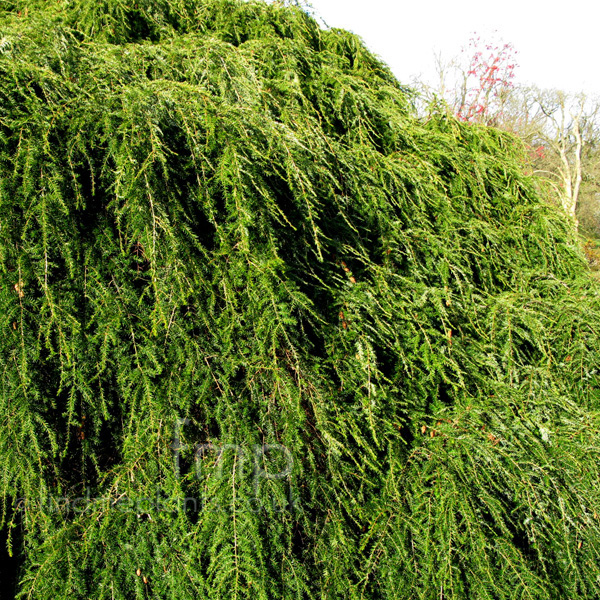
[
  {"x": 562, "y": 130},
  {"x": 487, "y": 81},
  {"x": 475, "y": 85}
]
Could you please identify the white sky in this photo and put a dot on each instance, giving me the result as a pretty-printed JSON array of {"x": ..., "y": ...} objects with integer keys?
[{"x": 557, "y": 42}]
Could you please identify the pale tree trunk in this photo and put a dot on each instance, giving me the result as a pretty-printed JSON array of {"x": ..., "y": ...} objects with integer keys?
[
  {"x": 568, "y": 198},
  {"x": 569, "y": 151},
  {"x": 571, "y": 170},
  {"x": 577, "y": 165}
]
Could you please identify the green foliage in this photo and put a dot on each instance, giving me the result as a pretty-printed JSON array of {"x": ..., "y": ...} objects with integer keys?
[{"x": 217, "y": 211}]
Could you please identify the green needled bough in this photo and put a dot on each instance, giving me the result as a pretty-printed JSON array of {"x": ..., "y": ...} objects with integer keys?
[{"x": 266, "y": 334}]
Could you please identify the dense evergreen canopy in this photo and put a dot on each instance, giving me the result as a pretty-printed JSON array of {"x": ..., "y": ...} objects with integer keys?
[{"x": 236, "y": 268}]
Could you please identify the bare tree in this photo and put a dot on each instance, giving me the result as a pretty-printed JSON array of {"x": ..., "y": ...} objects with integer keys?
[
  {"x": 474, "y": 85},
  {"x": 562, "y": 131}
]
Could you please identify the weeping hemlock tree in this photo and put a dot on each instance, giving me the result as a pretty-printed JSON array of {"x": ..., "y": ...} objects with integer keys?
[{"x": 266, "y": 335}]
